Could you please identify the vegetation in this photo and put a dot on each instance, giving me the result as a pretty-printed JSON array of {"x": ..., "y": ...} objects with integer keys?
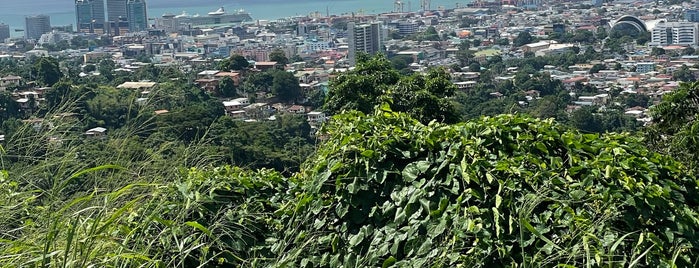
[
  {"x": 383, "y": 190},
  {"x": 409, "y": 172}
]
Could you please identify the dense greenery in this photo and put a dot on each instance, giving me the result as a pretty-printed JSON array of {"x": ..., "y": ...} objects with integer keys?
[
  {"x": 675, "y": 129},
  {"x": 383, "y": 190},
  {"x": 408, "y": 173}
]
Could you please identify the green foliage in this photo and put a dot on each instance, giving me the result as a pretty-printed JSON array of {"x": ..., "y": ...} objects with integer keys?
[
  {"x": 227, "y": 87},
  {"x": 234, "y": 62},
  {"x": 383, "y": 190},
  {"x": 46, "y": 71},
  {"x": 361, "y": 88},
  {"x": 8, "y": 106},
  {"x": 523, "y": 38},
  {"x": 498, "y": 192},
  {"x": 684, "y": 75},
  {"x": 285, "y": 86},
  {"x": 675, "y": 129},
  {"x": 278, "y": 56},
  {"x": 374, "y": 82}
]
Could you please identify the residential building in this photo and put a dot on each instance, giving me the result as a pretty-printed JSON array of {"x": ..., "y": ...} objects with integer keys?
[
  {"x": 89, "y": 16},
  {"x": 675, "y": 33},
  {"x": 137, "y": 15},
  {"x": 4, "y": 32},
  {"x": 37, "y": 25},
  {"x": 364, "y": 38},
  {"x": 644, "y": 67},
  {"x": 691, "y": 15},
  {"x": 406, "y": 27}
]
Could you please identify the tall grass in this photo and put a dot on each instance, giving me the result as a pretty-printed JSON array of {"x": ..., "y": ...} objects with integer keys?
[{"x": 68, "y": 201}]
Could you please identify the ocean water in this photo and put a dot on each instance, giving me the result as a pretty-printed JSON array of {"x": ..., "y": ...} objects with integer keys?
[{"x": 62, "y": 12}]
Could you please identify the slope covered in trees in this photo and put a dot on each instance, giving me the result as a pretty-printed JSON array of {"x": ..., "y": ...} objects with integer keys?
[{"x": 383, "y": 190}]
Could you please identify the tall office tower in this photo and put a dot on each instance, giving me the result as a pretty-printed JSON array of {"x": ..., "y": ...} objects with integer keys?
[
  {"x": 363, "y": 38},
  {"x": 89, "y": 16},
  {"x": 116, "y": 9},
  {"x": 37, "y": 25},
  {"x": 4, "y": 32},
  {"x": 117, "y": 18},
  {"x": 137, "y": 15}
]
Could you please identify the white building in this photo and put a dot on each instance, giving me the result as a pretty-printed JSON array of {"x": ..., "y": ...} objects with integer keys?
[
  {"x": 675, "y": 33},
  {"x": 645, "y": 67}
]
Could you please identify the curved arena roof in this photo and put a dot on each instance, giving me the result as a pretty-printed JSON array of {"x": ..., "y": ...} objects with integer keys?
[{"x": 632, "y": 21}]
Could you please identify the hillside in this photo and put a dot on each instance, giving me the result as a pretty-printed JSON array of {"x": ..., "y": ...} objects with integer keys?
[{"x": 382, "y": 190}]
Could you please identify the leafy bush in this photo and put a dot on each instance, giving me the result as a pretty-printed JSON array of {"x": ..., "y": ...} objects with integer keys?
[
  {"x": 382, "y": 190},
  {"x": 496, "y": 192}
]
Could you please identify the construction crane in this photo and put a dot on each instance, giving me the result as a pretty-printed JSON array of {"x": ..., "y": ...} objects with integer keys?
[
  {"x": 398, "y": 6},
  {"x": 425, "y": 5}
]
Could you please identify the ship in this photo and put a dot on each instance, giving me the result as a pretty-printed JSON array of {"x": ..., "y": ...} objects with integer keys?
[{"x": 219, "y": 16}]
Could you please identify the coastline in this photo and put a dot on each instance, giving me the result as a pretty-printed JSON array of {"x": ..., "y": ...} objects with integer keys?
[{"x": 257, "y": 10}]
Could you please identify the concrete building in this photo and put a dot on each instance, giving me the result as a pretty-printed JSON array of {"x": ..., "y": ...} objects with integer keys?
[
  {"x": 89, "y": 16},
  {"x": 37, "y": 25},
  {"x": 137, "y": 15},
  {"x": 364, "y": 38},
  {"x": 116, "y": 9},
  {"x": 675, "y": 33},
  {"x": 691, "y": 15},
  {"x": 407, "y": 27},
  {"x": 4, "y": 32},
  {"x": 117, "y": 17},
  {"x": 644, "y": 67}
]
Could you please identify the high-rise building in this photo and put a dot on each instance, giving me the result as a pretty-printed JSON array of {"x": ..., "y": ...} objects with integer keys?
[
  {"x": 116, "y": 9},
  {"x": 4, "y": 32},
  {"x": 675, "y": 33},
  {"x": 37, "y": 25},
  {"x": 89, "y": 16},
  {"x": 364, "y": 38},
  {"x": 137, "y": 15}
]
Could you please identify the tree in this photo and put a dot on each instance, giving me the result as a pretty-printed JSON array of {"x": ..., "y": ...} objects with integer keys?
[
  {"x": 234, "y": 62},
  {"x": 683, "y": 74},
  {"x": 227, "y": 87},
  {"x": 585, "y": 119},
  {"x": 675, "y": 128},
  {"x": 657, "y": 51},
  {"x": 597, "y": 67},
  {"x": 89, "y": 68},
  {"x": 278, "y": 56},
  {"x": 360, "y": 88},
  {"x": 503, "y": 42},
  {"x": 425, "y": 97},
  {"x": 285, "y": 86},
  {"x": 523, "y": 38},
  {"x": 8, "y": 106},
  {"x": 474, "y": 67},
  {"x": 106, "y": 68},
  {"x": 46, "y": 71}
]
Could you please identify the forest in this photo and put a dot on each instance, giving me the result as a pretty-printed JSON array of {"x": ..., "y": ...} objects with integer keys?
[{"x": 409, "y": 171}]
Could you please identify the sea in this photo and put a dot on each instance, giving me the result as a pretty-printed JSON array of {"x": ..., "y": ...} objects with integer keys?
[{"x": 62, "y": 12}]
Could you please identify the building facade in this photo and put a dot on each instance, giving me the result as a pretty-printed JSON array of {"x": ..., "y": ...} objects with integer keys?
[
  {"x": 4, "y": 32},
  {"x": 137, "y": 15},
  {"x": 363, "y": 38},
  {"x": 691, "y": 15},
  {"x": 35, "y": 26},
  {"x": 116, "y": 9},
  {"x": 675, "y": 33},
  {"x": 89, "y": 16}
]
